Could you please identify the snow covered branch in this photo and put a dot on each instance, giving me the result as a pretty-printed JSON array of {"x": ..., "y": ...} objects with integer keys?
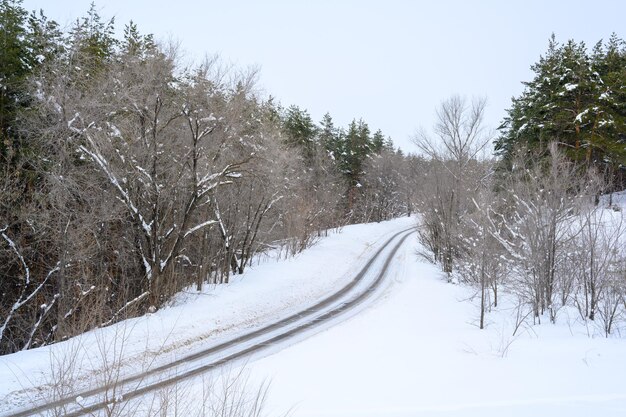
[
  {"x": 24, "y": 297},
  {"x": 198, "y": 227},
  {"x": 130, "y": 303}
]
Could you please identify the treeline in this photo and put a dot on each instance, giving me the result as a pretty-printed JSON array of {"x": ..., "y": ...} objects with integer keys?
[
  {"x": 538, "y": 217},
  {"x": 127, "y": 176}
]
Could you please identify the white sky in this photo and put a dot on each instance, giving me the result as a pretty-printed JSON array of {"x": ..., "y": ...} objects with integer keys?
[{"x": 390, "y": 62}]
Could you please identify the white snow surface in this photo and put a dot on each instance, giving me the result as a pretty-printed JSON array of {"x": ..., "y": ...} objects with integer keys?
[
  {"x": 418, "y": 351},
  {"x": 413, "y": 349},
  {"x": 267, "y": 292}
]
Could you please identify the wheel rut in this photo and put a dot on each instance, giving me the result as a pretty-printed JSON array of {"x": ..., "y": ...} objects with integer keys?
[{"x": 234, "y": 349}]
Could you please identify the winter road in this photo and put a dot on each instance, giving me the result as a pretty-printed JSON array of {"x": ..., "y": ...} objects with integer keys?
[{"x": 359, "y": 289}]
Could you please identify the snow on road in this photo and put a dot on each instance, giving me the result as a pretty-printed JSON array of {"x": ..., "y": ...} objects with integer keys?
[
  {"x": 417, "y": 351},
  {"x": 264, "y": 294}
]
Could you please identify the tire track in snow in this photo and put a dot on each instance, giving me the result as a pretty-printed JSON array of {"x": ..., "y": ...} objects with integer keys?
[{"x": 304, "y": 320}]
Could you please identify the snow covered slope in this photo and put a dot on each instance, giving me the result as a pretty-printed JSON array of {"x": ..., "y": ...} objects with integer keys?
[{"x": 264, "y": 294}]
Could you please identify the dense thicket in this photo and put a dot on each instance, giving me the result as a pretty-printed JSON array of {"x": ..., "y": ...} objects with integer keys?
[
  {"x": 127, "y": 177},
  {"x": 577, "y": 99},
  {"x": 533, "y": 219}
]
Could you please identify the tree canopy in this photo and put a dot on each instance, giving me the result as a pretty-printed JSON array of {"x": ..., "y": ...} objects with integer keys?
[{"x": 577, "y": 98}]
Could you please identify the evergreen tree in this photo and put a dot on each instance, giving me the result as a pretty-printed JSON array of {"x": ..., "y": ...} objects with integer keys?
[
  {"x": 378, "y": 141},
  {"x": 610, "y": 62},
  {"x": 16, "y": 61},
  {"x": 272, "y": 111},
  {"x": 28, "y": 42},
  {"x": 45, "y": 38},
  {"x": 300, "y": 131},
  {"x": 92, "y": 46},
  {"x": 137, "y": 45},
  {"x": 357, "y": 146},
  {"x": 329, "y": 136},
  {"x": 574, "y": 99}
]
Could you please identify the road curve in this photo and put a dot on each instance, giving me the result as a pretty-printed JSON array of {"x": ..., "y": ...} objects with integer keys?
[{"x": 278, "y": 331}]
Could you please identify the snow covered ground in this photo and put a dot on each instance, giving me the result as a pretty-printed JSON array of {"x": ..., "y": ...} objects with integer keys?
[
  {"x": 413, "y": 350},
  {"x": 265, "y": 294},
  {"x": 418, "y": 352}
]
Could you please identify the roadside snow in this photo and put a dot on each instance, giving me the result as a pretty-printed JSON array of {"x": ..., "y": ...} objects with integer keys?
[{"x": 418, "y": 352}]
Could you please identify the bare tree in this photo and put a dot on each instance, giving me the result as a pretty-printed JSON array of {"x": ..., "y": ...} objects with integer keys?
[
  {"x": 454, "y": 153},
  {"x": 479, "y": 262},
  {"x": 157, "y": 146},
  {"x": 594, "y": 260},
  {"x": 386, "y": 185}
]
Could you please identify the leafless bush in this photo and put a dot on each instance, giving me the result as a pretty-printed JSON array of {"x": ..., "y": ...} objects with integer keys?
[
  {"x": 479, "y": 262},
  {"x": 105, "y": 363},
  {"x": 537, "y": 229}
]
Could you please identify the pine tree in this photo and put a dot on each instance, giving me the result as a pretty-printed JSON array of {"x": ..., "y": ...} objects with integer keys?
[
  {"x": 45, "y": 38},
  {"x": 357, "y": 147},
  {"x": 328, "y": 136},
  {"x": 574, "y": 100},
  {"x": 610, "y": 62},
  {"x": 300, "y": 131},
  {"x": 378, "y": 141},
  {"x": 136, "y": 45},
  {"x": 16, "y": 61},
  {"x": 92, "y": 46},
  {"x": 28, "y": 42}
]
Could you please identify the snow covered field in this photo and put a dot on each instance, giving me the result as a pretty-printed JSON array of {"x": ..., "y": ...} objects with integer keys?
[{"x": 414, "y": 349}]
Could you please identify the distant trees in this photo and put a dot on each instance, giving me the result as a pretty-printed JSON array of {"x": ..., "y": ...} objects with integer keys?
[
  {"x": 363, "y": 167},
  {"x": 300, "y": 132},
  {"x": 387, "y": 187},
  {"x": 127, "y": 177}
]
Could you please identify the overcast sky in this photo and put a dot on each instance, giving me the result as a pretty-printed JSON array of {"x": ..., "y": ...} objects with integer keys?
[{"x": 389, "y": 62}]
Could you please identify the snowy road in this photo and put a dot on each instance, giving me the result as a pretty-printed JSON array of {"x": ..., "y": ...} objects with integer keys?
[
  {"x": 417, "y": 335},
  {"x": 426, "y": 356},
  {"x": 270, "y": 337}
]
